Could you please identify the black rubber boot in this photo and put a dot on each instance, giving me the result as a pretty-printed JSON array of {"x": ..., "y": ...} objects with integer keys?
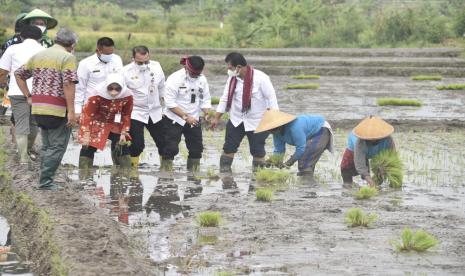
[
  {"x": 225, "y": 164},
  {"x": 193, "y": 165},
  {"x": 258, "y": 163}
]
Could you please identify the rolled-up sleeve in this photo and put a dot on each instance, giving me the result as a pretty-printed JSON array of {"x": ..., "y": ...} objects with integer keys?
[{"x": 23, "y": 72}]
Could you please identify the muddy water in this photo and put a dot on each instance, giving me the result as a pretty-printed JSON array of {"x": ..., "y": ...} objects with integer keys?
[
  {"x": 10, "y": 263},
  {"x": 302, "y": 232}
]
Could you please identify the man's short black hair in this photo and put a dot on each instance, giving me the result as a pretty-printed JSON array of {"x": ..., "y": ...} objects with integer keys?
[
  {"x": 105, "y": 42},
  {"x": 141, "y": 49},
  {"x": 31, "y": 31},
  {"x": 197, "y": 62},
  {"x": 235, "y": 59}
]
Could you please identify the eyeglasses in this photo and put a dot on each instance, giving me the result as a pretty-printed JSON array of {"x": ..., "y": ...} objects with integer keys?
[{"x": 114, "y": 87}]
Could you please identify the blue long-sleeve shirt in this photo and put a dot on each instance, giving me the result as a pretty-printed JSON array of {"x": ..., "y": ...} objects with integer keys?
[{"x": 296, "y": 134}]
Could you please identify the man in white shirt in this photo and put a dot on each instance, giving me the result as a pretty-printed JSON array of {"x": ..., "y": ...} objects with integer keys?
[
  {"x": 186, "y": 95},
  {"x": 146, "y": 80},
  {"x": 93, "y": 70},
  {"x": 247, "y": 95},
  {"x": 14, "y": 57}
]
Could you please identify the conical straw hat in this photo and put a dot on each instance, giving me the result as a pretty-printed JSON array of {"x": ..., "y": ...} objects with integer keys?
[
  {"x": 373, "y": 128},
  {"x": 36, "y": 13},
  {"x": 272, "y": 119}
]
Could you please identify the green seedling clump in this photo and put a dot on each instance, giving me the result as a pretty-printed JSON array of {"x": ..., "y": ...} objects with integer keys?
[
  {"x": 273, "y": 176},
  {"x": 419, "y": 241},
  {"x": 387, "y": 166},
  {"x": 397, "y": 102},
  {"x": 209, "y": 219},
  {"x": 304, "y": 77},
  {"x": 264, "y": 194},
  {"x": 303, "y": 86},
  {"x": 366, "y": 192},
  {"x": 451, "y": 87},
  {"x": 215, "y": 100},
  {"x": 425, "y": 77},
  {"x": 275, "y": 160},
  {"x": 356, "y": 217}
]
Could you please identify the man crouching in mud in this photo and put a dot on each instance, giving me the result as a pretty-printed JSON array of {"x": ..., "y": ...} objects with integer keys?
[{"x": 52, "y": 98}]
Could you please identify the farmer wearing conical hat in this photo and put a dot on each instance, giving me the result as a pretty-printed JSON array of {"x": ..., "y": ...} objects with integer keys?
[
  {"x": 44, "y": 21},
  {"x": 367, "y": 139},
  {"x": 310, "y": 134}
]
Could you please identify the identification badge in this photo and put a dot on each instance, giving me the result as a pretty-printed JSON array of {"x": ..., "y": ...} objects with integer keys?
[
  {"x": 192, "y": 98},
  {"x": 118, "y": 118}
]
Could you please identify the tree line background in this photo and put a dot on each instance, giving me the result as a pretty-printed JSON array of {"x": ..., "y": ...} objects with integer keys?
[{"x": 253, "y": 23}]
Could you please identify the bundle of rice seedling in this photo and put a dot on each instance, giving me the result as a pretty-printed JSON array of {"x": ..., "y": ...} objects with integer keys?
[
  {"x": 419, "y": 241},
  {"x": 209, "y": 219},
  {"x": 451, "y": 87},
  {"x": 397, "y": 102},
  {"x": 366, "y": 192},
  {"x": 387, "y": 166},
  {"x": 264, "y": 194},
  {"x": 303, "y": 77},
  {"x": 273, "y": 176},
  {"x": 303, "y": 86},
  {"x": 426, "y": 77},
  {"x": 215, "y": 100},
  {"x": 356, "y": 217}
]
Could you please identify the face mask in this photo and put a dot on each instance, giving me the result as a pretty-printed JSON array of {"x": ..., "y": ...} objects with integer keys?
[
  {"x": 42, "y": 28},
  {"x": 106, "y": 58},
  {"x": 143, "y": 67},
  {"x": 232, "y": 73}
]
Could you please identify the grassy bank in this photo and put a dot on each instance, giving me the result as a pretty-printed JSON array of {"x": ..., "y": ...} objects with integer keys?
[{"x": 31, "y": 226}]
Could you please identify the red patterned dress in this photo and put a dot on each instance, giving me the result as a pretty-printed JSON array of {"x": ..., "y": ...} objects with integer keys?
[{"x": 98, "y": 120}]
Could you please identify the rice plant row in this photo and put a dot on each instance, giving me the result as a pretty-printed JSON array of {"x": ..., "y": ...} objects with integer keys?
[
  {"x": 397, "y": 102},
  {"x": 303, "y": 86}
]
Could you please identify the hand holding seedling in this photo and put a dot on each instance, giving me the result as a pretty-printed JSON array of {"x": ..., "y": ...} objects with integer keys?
[
  {"x": 192, "y": 121},
  {"x": 370, "y": 181}
]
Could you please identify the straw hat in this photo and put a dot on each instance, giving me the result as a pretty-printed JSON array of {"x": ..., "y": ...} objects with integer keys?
[
  {"x": 274, "y": 118},
  {"x": 373, "y": 128},
  {"x": 36, "y": 13}
]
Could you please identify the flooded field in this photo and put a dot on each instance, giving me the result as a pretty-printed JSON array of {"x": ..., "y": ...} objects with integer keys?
[{"x": 303, "y": 230}]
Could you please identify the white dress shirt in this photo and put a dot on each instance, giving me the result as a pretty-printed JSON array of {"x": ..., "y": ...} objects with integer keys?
[
  {"x": 148, "y": 88},
  {"x": 263, "y": 97},
  {"x": 179, "y": 88},
  {"x": 92, "y": 72},
  {"x": 16, "y": 56}
]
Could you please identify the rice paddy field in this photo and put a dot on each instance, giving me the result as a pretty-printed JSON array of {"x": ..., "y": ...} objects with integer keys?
[{"x": 302, "y": 229}]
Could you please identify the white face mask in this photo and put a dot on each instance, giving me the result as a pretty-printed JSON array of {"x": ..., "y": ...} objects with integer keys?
[
  {"x": 143, "y": 67},
  {"x": 106, "y": 58},
  {"x": 42, "y": 28},
  {"x": 232, "y": 73}
]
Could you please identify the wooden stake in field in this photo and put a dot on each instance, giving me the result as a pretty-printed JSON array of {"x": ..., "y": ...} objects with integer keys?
[{"x": 126, "y": 47}]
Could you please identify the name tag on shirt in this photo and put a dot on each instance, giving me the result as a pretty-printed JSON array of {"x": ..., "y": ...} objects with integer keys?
[
  {"x": 118, "y": 118},
  {"x": 96, "y": 71}
]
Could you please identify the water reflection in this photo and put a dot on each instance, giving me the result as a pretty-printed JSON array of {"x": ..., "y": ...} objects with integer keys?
[{"x": 9, "y": 261}]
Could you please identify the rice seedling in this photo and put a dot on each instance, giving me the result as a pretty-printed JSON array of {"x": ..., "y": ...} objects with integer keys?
[
  {"x": 426, "y": 77},
  {"x": 387, "y": 166},
  {"x": 419, "y": 241},
  {"x": 273, "y": 176},
  {"x": 451, "y": 87},
  {"x": 209, "y": 219},
  {"x": 215, "y": 100},
  {"x": 397, "y": 102},
  {"x": 303, "y": 86},
  {"x": 224, "y": 273},
  {"x": 303, "y": 77},
  {"x": 366, "y": 192},
  {"x": 275, "y": 160},
  {"x": 264, "y": 194},
  {"x": 356, "y": 217}
]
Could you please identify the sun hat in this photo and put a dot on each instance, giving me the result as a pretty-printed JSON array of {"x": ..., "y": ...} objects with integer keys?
[
  {"x": 373, "y": 128},
  {"x": 273, "y": 118},
  {"x": 37, "y": 13}
]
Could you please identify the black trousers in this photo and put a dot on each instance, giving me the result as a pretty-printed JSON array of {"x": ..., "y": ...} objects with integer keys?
[
  {"x": 137, "y": 134},
  {"x": 234, "y": 136},
  {"x": 173, "y": 133},
  {"x": 89, "y": 151}
]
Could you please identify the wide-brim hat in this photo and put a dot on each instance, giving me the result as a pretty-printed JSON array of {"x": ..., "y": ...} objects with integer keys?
[
  {"x": 373, "y": 128},
  {"x": 37, "y": 13},
  {"x": 274, "y": 118}
]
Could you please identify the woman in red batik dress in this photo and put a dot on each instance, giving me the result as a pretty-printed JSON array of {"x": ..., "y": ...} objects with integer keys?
[{"x": 106, "y": 115}]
